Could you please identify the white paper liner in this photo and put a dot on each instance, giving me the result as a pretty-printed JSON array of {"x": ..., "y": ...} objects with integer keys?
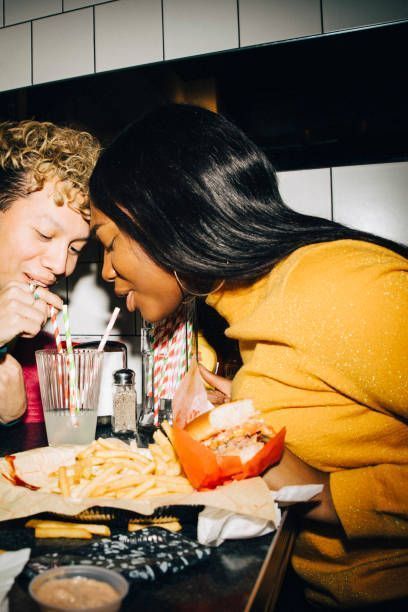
[{"x": 216, "y": 525}]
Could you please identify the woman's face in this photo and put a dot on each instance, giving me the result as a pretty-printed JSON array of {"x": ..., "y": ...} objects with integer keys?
[
  {"x": 145, "y": 285},
  {"x": 39, "y": 240}
]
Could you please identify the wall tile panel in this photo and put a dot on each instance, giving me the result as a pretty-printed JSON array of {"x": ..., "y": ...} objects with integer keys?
[
  {"x": 15, "y": 56},
  {"x": 307, "y": 191},
  {"x": 128, "y": 33},
  {"x": 373, "y": 198},
  {"x": 192, "y": 27},
  {"x": 1, "y": 13},
  {"x": 70, "y": 5},
  {"x": 262, "y": 21},
  {"x": 344, "y": 14},
  {"x": 24, "y": 10},
  {"x": 63, "y": 46}
]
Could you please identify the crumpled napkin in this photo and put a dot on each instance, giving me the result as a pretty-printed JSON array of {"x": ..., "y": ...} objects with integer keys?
[
  {"x": 11, "y": 564},
  {"x": 216, "y": 525}
]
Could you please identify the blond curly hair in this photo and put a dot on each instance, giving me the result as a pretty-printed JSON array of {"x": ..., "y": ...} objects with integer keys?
[{"x": 33, "y": 152}]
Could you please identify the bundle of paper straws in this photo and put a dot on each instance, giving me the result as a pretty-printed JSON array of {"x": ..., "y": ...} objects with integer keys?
[
  {"x": 71, "y": 398},
  {"x": 171, "y": 345}
]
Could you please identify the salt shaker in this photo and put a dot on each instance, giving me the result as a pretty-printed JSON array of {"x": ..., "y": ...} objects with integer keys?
[{"x": 124, "y": 401}]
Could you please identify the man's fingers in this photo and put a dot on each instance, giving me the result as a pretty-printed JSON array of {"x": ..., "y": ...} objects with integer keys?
[
  {"x": 218, "y": 382},
  {"x": 52, "y": 299},
  {"x": 26, "y": 320}
]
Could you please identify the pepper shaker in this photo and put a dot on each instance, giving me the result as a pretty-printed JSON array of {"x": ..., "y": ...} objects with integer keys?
[{"x": 124, "y": 401}]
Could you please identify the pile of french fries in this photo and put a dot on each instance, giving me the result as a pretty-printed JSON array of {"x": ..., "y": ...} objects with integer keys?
[{"x": 110, "y": 468}]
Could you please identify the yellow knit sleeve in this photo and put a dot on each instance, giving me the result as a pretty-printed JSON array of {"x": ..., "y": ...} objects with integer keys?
[{"x": 372, "y": 501}]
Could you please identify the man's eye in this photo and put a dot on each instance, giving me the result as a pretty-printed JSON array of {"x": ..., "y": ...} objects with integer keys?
[{"x": 43, "y": 236}]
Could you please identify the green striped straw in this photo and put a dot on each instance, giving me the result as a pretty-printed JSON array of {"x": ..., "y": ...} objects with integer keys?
[{"x": 73, "y": 402}]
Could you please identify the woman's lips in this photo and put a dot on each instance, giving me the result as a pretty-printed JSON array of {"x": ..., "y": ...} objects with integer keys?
[{"x": 130, "y": 305}]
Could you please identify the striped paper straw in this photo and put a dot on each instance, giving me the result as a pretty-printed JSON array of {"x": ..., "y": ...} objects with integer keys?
[
  {"x": 73, "y": 404},
  {"x": 108, "y": 329},
  {"x": 160, "y": 352},
  {"x": 63, "y": 389}
]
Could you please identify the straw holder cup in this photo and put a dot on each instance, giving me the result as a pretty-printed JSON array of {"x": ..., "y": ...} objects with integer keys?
[{"x": 70, "y": 393}]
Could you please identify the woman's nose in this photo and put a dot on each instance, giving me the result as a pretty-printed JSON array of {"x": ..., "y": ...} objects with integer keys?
[{"x": 108, "y": 272}]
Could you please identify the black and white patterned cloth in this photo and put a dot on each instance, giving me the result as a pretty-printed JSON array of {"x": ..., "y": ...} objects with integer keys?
[{"x": 143, "y": 555}]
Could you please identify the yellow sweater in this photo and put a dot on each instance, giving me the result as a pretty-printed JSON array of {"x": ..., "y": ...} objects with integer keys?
[{"x": 324, "y": 342}]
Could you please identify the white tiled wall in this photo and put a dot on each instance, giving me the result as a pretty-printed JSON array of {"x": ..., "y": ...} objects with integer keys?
[
  {"x": 263, "y": 21},
  {"x": 15, "y": 42},
  {"x": 70, "y": 5},
  {"x": 77, "y": 37},
  {"x": 135, "y": 39},
  {"x": 373, "y": 198},
  {"x": 63, "y": 46},
  {"x": 192, "y": 27},
  {"x": 345, "y": 14},
  {"x": 25, "y": 10},
  {"x": 307, "y": 191}
]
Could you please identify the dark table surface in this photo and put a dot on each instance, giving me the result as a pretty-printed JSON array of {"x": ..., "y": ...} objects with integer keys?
[{"x": 237, "y": 575}]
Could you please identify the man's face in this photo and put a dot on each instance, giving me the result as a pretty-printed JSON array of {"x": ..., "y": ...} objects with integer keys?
[{"x": 39, "y": 240}]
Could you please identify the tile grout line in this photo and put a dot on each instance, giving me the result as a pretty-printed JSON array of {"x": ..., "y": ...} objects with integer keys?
[
  {"x": 94, "y": 42},
  {"x": 162, "y": 20},
  {"x": 321, "y": 17},
  {"x": 239, "y": 25},
  {"x": 32, "y": 53}
]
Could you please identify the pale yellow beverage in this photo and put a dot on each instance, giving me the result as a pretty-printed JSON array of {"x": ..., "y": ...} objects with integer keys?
[{"x": 60, "y": 430}]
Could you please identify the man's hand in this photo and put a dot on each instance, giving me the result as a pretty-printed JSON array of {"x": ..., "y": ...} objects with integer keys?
[
  {"x": 293, "y": 471},
  {"x": 23, "y": 312},
  {"x": 13, "y": 401}
]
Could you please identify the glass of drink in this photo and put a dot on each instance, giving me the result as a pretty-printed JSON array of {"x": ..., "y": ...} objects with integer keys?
[{"x": 69, "y": 393}]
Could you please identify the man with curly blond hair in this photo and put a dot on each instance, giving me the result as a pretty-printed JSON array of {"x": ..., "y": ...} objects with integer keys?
[{"x": 44, "y": 212}]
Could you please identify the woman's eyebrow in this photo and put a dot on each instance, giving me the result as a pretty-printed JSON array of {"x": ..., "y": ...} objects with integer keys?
[{"x": 94, "y": 230}]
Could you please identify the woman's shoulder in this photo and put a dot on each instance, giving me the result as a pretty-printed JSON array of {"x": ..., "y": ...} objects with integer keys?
[
  {"x": 348, "y": 252},
  {"x": 341, "y": 261}
]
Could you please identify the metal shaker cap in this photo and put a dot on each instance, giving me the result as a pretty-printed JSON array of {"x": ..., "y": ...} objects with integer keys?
[{"x": 124, "y": 376}]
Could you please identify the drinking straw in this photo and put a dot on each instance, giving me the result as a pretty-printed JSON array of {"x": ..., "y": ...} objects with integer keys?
[
  {"x": 108, "y": 329},
  {"x": 57, "y": 336},
  {"x": 73, "y": 404}
]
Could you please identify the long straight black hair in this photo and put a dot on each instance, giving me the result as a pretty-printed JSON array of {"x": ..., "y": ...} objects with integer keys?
[{"x": 202, "y": 199}]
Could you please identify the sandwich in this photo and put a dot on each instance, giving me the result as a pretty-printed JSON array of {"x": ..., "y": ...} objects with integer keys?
[{"x": 233, "y": 429}]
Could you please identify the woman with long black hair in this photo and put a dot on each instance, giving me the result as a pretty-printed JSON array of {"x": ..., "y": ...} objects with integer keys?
[{"x": 185, "y": 204}]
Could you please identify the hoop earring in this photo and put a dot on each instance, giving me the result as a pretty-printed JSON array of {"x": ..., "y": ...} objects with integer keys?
[{"x": 188, "y": 292}]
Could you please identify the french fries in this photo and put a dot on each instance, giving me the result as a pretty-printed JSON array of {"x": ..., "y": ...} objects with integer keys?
[
  {"x": 110, "y": 468},
  {"x": 61, "y": 529},
  {"x": 62, "y": 532},
  {"x": 92, "y": 528},
  {"x": 173, "y": 525}
]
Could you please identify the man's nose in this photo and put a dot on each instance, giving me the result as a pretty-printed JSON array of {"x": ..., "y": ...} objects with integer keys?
[{"x": 55, "y": 259}]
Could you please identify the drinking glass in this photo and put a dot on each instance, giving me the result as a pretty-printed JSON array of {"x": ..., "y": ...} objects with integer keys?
[{"x": 69, "y": 418}]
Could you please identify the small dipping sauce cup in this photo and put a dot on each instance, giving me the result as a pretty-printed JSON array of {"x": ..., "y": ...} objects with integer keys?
[{"x": 81, "y": 588}]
